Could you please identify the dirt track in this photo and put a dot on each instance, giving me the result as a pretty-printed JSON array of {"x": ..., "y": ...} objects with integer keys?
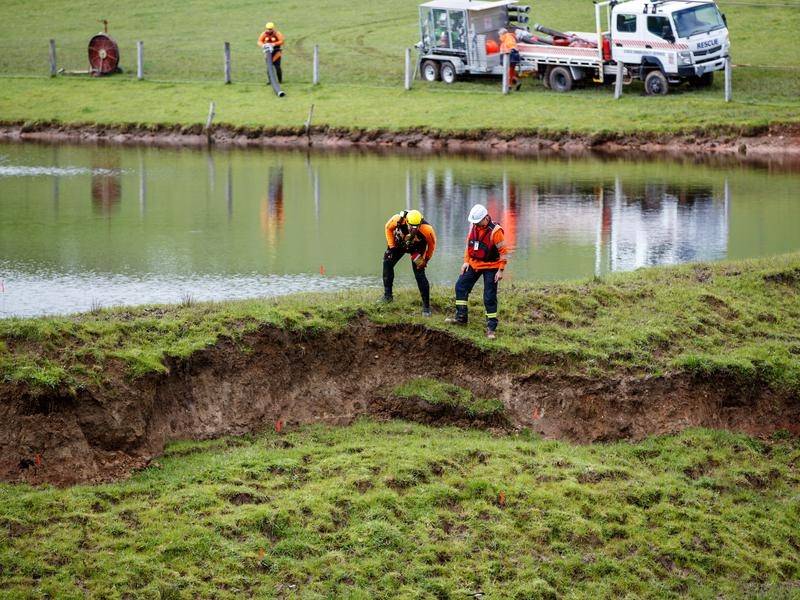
[
  {"x": 775, "y": 146},
  {"x": 103, "y": 433}
]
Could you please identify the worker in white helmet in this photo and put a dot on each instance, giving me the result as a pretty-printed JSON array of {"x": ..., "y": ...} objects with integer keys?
[{"x": 486, "y": 256}]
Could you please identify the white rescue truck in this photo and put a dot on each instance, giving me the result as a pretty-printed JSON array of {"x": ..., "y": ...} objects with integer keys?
[{"x": 660, "y": 42}]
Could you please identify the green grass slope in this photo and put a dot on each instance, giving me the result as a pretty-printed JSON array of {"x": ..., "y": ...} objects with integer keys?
[
  {"x": 361, "y": 48},
  {"x": 737, "y": 319},
  {"x": 403, "y": 511}
]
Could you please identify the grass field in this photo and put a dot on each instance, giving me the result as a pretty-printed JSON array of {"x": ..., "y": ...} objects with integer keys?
[
  {"x": 403, "y": 511},
  {"x": 738, "y": 319},
  {"x": 361, "y": 49}
]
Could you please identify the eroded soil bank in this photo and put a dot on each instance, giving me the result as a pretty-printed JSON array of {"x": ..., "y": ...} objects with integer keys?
[
  {"x": 776, "y": 145},
  {"x": 105, "y": 431}
]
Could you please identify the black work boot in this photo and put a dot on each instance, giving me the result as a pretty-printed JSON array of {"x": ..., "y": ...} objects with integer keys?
[
  {"x": 386, "y": 299},
  {"x": 426, "y": 311}
]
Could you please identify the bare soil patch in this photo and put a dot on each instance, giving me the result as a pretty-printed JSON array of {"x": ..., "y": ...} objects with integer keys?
[{"x": 105, "y": 432}]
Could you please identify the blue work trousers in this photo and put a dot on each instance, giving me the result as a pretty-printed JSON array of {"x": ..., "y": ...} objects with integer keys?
[{"x": 464, "y": 286}]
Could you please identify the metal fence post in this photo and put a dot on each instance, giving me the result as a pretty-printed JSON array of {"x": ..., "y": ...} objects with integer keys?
[
  {"x": 728, "y": 80},
  {"x": 618, "y": 82},
  {"x": 506, "y": 66},
  {"x": 315, "y": 70},
  {"x": 227, "y": 62},
  {"x": 407, "y": 82},
  {"x": 53, "y": 58},
  {"x": 140, "y": 60}
]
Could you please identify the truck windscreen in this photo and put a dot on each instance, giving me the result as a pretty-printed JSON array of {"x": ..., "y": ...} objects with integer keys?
[{"x": 698, "y": 19}]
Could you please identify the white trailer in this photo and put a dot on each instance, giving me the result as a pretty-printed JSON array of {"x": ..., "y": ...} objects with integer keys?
[
  {"x": 454, "y": 33},
  {"x": 660, "y": 42}
]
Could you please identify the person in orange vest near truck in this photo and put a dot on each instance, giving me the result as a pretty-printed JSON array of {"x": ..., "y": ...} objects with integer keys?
[
  {"x": 409, "y": 233},
  {"x": 274, "y": 38},
  {"x": 508, "y": 45},
  {"x": 485, "y": 256}
]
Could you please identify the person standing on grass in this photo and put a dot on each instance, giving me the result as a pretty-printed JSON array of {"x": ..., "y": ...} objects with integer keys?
[
  {"x": 486, "y": 255},
  {"x": 409, "y": 233},
  {"x": 273, "y": 37}
]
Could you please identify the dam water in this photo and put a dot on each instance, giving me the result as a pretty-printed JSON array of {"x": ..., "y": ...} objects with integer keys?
[{"x": 94, "y": 226}]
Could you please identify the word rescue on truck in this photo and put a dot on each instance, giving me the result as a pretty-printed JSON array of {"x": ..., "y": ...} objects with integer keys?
[{"x": 662, "y": 43}]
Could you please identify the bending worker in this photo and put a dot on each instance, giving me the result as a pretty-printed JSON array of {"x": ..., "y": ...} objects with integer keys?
[
  {"x": 274, "y": 38},
  {"x": 408, "y": 233},
  {"x": 486, "y": 256},
  {"x": 508, "y": 45}
]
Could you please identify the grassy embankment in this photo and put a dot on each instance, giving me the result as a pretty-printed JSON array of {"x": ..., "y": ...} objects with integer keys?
[
  {"x": 400, "y": 510},
  {"x": 738, "y": 319},
  {"x": 361, "y": 48}
]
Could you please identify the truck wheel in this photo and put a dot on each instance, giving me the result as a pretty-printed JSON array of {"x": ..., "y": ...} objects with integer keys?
[
  {"x": 655, "y": 84},
  {"x": 561, "y": 79},
  {"x": 705, "y": 80},
  {"x": 546, "y": 77},
  {"x": 430, "y": 70},
  {"x": 448, "y": 72}
]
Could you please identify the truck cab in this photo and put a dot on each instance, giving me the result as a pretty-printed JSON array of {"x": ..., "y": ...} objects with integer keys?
[{"x": 674, "y": 40}]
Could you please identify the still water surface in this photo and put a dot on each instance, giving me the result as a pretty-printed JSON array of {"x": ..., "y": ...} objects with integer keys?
[{"x": 84, "y": 226}]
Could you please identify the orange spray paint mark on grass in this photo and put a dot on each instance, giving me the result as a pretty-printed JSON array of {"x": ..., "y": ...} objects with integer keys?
[
  {"x": 501, "y": 499},
  {"x": 278, "y": 426}
]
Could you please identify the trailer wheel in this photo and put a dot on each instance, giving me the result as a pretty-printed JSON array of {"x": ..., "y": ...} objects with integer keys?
[
  {"x": 705, "y": 80},
  {"x": 448, "y": 72},
  {"x": 656, "y": 84},
  {"x": 561, "y": 79},
  {"x": 430, "y": 70}
]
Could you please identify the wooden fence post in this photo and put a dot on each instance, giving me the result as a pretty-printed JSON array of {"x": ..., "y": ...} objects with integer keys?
[
  {"x": 227, "y": 62},
  {"x": 53, "y": 58},
  {"x": 140, "y": 60},
  {"x": 211, "y": 113},
  {"x": 308, "y": 124}
]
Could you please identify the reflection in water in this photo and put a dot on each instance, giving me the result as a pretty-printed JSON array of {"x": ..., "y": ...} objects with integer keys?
[
  {"x": 271, "y": 214},
  {"x": 106, "y": 181},
  {"x": 170, "y": 230},
  {"x": 142, "y": 186},
  {"x": 629, "y": 226}
]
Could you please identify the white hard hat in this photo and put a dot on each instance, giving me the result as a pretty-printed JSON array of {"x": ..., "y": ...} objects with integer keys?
[{"x": 477, "y": 213}]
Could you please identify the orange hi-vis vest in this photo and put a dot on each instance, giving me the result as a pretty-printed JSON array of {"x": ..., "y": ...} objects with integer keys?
[
  {"x": 398, "y": 235},
  {"x": 275, "y": 38},
  {"x": 486, "y": 247}
]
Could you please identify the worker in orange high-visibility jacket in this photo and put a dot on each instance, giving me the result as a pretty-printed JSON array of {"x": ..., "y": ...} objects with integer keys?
[
  {"x": 409, "y": 233},
  {"x": 485, "y": 256},
  {"x": 508, "y": 45},
  {"x": 274, "y": 38}
]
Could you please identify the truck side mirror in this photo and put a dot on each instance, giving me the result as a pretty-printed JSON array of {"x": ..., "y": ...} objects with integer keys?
[{"x": 725, "y": 19}]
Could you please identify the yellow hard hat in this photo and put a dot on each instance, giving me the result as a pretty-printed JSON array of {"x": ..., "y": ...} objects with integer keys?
[
  {"x": 270, "y": 25},
  {"x": 414, "y": 217}
]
